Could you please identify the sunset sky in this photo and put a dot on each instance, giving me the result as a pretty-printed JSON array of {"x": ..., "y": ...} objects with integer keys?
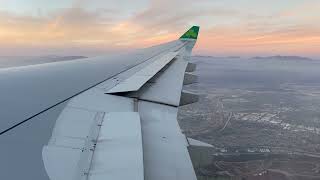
[{"x": 95, "y": 27}]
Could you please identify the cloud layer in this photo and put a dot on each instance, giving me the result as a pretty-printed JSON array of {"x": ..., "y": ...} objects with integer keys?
[{"x": 226, "y": 29}]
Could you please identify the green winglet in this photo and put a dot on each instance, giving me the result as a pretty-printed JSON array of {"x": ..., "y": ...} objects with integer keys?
[{"x": 192, "y": 33}]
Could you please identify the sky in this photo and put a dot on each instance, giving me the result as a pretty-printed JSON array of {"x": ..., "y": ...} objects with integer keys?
[{"x": 96, "y": 27}]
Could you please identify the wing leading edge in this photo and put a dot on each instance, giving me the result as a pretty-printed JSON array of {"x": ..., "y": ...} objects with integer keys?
[{"x": 125, "y": 127}]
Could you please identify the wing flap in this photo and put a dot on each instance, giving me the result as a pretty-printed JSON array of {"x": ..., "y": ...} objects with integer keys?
[
  {"x": 57, "y": 159},
  {"x": 118, "y": 153},
  {"x": 165, "y": 152},
  {"x": 95, "y": 141}
]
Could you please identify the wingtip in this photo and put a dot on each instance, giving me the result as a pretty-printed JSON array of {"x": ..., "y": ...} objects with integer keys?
[{"x": 192, "y": 33}]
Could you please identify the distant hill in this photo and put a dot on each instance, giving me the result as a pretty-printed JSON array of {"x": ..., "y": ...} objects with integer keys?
[
  {"x": 283, "y": 58},
  {"x": 12, "y": 61},
  {"x": 229, "y": 57},
  {"x": 62, "y": 58},
  {"x": 278, "y": 57}
]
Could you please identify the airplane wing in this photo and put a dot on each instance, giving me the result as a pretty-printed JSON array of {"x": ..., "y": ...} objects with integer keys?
[{"x": 119, "y": 119}]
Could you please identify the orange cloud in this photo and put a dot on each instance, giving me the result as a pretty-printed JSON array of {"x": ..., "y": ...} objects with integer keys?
[
  {"x": 238, "y": 42},
  {"x": 78, "y": 28}
]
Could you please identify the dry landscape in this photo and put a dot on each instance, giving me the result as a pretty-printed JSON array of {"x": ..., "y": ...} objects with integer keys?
[{"x": 261, "y": 115}]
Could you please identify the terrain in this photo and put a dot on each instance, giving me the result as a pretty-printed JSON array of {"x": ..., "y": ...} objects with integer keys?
[{"x": 260, "y": 114}]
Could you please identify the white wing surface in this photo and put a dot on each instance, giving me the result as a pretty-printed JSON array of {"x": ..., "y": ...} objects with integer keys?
[{"x": 120, "y": 121}]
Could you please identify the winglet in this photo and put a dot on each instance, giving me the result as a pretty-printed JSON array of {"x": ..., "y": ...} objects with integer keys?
[{"x": 192, "y": 33}]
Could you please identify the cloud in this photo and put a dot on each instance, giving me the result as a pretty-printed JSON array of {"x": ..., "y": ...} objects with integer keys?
[
  {"x": 223, "y": 29},
  {"x": 78, "y": 26},
  {"x": 238, "y": 41},
  {"x": 173, "y": 15},
  {"x": 64, "y": 25}
]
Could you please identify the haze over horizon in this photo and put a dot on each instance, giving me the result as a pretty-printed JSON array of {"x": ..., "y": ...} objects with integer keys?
[{"x": 83, "y": 27}]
